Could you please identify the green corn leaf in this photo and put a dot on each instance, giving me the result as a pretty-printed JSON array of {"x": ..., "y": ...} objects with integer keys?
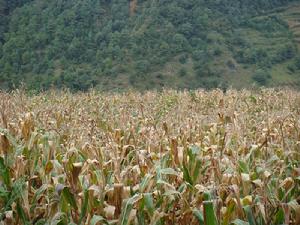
[
  {"x": 168, "y": 171},
  {"x": 192, "y": 152},
  {"x": 186, "y": 175},
  {"x": 69, "y": 197},
  {"x": 4, "y": 173},
  {"x": 196, "y": 170},
  {"x": 279, "y": 217},
  {"x": 195, "y": 149},
  {"x": 4, "y": 193},
  {"x": 84, "y": 205},
  {"x": 127, "y": 209},
  {"x": 41, "y": 222},
  {"x": 198, "y": 214},
  {"x": 243, "y": 167},
  {"x": 207, "y": 196},
  {"x": 171, "y": 192},
  {"x": 58, "y": 219},
  {"x": 37, "y": 194},
  {"x": 239, "y": 222},
  {"x": 164, "y": 183},
  {"x": 22, "y": 214},
  {"x": 249, "y": 214},
  {"x": 253, "y": 99},
  {"x": 97, "y": 219},
  {"x": 294, "y": 205},
  {"x": 209, "y": 213},
  {"x": 182, "y": 187},
  {"x": 149, "y": 203},
  {"x": 145, "y": 182},
  {"x": 141, "y": 217}
]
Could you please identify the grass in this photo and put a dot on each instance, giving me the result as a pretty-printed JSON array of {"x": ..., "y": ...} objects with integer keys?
[{"x": 170, "y": 157}]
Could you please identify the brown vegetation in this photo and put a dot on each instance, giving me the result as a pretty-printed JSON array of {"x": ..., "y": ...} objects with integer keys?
[{"x": 155, "y": 158}]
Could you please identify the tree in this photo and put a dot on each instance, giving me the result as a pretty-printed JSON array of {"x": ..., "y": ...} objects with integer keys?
[
  {"x": 101, "y": 37},
  {"x": 3, "y": 20}
]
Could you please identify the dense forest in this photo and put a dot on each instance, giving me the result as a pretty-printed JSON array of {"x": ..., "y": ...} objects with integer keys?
[{"x": 114, "y": 44}]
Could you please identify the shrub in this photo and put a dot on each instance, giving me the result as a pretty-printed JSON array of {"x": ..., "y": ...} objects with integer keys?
[
  {"x": 183, "y": 58},
  {"x": 182, "y": 72},
  {"x": 261, "y": 77},
  {"x": 230, "y": 64}
]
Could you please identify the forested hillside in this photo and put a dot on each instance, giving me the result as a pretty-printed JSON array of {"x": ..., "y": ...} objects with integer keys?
[{"x": 114, "y": 44}]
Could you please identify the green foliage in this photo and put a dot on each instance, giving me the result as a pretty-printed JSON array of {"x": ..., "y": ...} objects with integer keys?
[
  {"x": 297, "y": 62},
  {"x": 82, "y": 44},
  {"x": 261, "y": 77},
  {"x": 268, "y": 24},
  {"x": 285, "y": 52},
  {"x": 183, "y": 58},
  {"x": 182, "y": 72}
]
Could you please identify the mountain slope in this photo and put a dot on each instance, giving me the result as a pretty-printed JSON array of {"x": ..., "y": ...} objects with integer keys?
[{"x": 148, "y": 44}]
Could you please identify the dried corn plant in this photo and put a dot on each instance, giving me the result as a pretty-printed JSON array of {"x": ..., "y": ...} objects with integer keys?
[{"x": 190, "y": 157}]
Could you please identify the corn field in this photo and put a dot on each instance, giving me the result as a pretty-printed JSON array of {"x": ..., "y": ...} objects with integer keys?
[{"x": 170, "y": 157}]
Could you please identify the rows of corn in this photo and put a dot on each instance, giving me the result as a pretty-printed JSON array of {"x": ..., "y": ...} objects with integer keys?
[{"x": 189, "y": 157}]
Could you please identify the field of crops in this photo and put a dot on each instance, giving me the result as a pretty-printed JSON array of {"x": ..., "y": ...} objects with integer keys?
[{"x": 190, "y": 157}]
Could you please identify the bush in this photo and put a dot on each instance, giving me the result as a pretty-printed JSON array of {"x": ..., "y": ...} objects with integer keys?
[
  {"x": 230, "y": 64},
  {"x": 261, "y": 77},
  {"x": 142, "y": 66},
  {"x": 217, "y": 51},
  {"x": 292, "y": 67},
  {"x": 199, "y": 55},
  {"x": 204, "y": 70},
  {"x": 286, "y": 52},
  {"x": 183, "y": 58},
  {"x": 297, "y": 62},
  {"x": 160, "y": 76},
  {"x": 182, "y": 72}
]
